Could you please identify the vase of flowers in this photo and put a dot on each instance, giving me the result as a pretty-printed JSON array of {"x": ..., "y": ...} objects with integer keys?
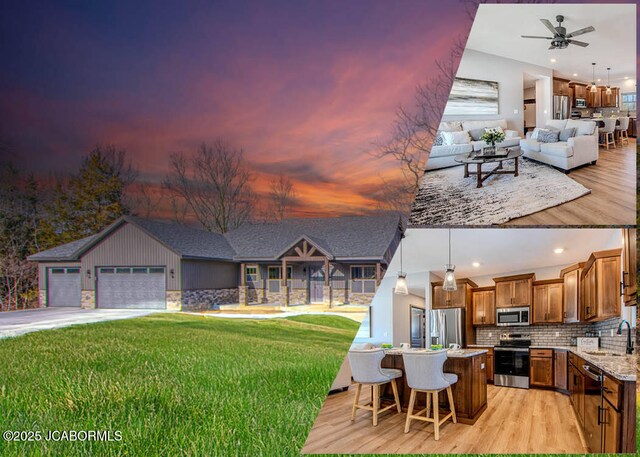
[{"x": 493, "y": 136}]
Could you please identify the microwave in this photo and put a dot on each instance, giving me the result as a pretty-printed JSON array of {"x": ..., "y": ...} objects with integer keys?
[
  {"x": 581, "y": 103},
  {"x": 512, "y": 316}
]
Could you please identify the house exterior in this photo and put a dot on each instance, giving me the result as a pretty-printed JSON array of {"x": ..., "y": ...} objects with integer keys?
[{"x": 141, "y": 263}]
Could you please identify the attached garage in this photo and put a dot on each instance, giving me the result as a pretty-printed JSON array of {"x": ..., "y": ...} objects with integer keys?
[
  {"x": 63, "y": 286},
  {"x": 131, "y": 287}
]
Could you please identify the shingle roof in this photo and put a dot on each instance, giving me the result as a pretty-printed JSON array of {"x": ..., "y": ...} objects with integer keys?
[
  {"x": 356, "y": 237},
  {"x": 343, "y": 237},
  {"x": 187, "y": 241},
  {"x": 66, "y": 251}
]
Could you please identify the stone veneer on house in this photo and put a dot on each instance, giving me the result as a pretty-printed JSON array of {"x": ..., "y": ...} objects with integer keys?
[
  {"x": 42, "y": 298},
  {"x": 360, "y": 299},
  {"x": 546, "y": 334},
  {"x": 174, "y": 300},
  {"x": 203, "y": 299},
  {"x": 88, "y": 299}
]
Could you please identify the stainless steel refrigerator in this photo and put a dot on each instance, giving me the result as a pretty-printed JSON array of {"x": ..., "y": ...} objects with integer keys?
[
  {"x": 417, "y": 327},
  {"x": 447, "y": 326},
  {"x": 561, "y": 107}
]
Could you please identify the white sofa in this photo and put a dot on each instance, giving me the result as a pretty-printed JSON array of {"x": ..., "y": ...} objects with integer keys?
[
  {"x": 579, "y": 150},
  {"x": 443, "y": 156}
]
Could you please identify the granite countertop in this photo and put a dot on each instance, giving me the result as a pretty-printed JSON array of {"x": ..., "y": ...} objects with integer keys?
[
  {"x": 622, "y": 367},
  {"x": 457, "y": 354}
]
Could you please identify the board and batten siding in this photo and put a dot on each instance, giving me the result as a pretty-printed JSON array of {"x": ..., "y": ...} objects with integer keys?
[
  {"x": 208, "y": 274},
  {"x": 128, "y": 245},
  {"x": 44, "y": 266}
]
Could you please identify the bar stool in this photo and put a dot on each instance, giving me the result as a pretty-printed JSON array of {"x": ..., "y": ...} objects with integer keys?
[
  {"x": 366, "y": 370},
  {"x": 608, "y": 132},
  {"x": 424, "y": 371},
  {"x": 622, "y": 129}
]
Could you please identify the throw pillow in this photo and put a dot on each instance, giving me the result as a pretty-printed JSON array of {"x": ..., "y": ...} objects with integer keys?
[
  {"x": 451, "y": 138},
  {"x": 536, "y": 132},
  {"x": 565, "y": 134},
  {"x": 548, "y": 137},
  {"x": 498, "y": 129},
  {"x": 475, "y": 134},
  {"x": 438, "y": 140}
]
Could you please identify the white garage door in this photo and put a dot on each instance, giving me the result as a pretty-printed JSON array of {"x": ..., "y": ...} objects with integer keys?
[
  {"x": 131, "y": 287},
  {"x": 63, "y": 286}
]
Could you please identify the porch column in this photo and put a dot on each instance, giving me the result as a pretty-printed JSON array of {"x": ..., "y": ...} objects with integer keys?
[
  {"x": 242, "y": 290},
  {"x": 285, "y": 286},
  {"x": 378, "y": 273},
  {"x": 326, "y": 292}
]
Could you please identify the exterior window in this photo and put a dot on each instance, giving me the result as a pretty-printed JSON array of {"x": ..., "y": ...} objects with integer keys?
[
  {"x": 139, "y": 270},
  {"x": 57, "y": 271},
  {"x": 123, "y": 270},
  {"x": 275, "y": 278},
  {"x": 106, "y": 270},
  {"x": 363, "y": 279},
  {"x": 629, "y": 102},
  {"x": 73, "y": 270},
  {"x": 251, "y": 274},
  {"x": 156, "y": 270}
]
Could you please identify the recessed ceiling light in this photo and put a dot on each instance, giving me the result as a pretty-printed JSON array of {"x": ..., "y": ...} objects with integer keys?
[
  {"x": 553, "y": 60},
  {"x": 558, "y": 250},
  {"x": 575, "y": 74},
  {"x": 626, "y": 77},
  {"x": 599, "y": 80},
  {"x": 476, "y": 264}
]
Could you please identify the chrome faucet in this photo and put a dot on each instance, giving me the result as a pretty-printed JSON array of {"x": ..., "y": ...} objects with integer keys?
[{"x": 629, "y": 343}]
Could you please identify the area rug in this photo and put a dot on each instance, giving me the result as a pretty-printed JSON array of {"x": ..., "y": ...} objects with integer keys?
[{"x": 445, "y": 197}]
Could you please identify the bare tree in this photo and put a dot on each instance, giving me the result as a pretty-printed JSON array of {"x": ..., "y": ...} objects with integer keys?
[
  {"x": 215, "y": 184},
  {"x": 281, "y": 198},
  {"x": 142, "y": 199}
]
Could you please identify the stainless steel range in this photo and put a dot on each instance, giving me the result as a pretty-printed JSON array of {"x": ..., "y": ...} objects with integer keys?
[{"x": 511, "y": 366}]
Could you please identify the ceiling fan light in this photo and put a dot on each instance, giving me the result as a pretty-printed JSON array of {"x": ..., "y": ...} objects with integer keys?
[
  {"x": 450, "y": 279},
  {"x": 401, "y": 284}
]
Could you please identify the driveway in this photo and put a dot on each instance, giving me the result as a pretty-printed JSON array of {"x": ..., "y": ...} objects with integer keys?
[{"x": 14, "y": 323}]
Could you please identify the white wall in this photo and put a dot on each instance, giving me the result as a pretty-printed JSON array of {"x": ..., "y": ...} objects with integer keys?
[
  {"x": 510, "y": 77},
  {"x": 402, "y": 316}
]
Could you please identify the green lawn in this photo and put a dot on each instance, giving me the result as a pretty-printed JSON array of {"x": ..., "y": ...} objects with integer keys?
[{"x": 173, "y": 384}]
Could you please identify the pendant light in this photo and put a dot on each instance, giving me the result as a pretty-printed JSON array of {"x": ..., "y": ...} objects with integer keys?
[
  {"x": 401, "y": 282},
  {"x": 449, "y": 276},
  {"x": 608, "y": 92},
  {"x": 593, "y": 78}
]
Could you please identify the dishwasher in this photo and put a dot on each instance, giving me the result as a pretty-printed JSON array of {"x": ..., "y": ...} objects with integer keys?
[{"x": 593, "y": 408}]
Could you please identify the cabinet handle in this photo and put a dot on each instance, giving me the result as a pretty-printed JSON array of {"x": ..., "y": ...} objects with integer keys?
[
  {"x": 624, "y": 275},
  {"x": 564, "y": 314}
]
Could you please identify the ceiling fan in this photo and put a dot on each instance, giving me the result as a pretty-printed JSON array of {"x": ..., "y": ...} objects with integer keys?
[{"x": 561, "y": 39}]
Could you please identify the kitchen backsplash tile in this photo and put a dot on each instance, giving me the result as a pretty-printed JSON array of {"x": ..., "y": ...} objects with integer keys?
[{"x": 559, "y": 334}]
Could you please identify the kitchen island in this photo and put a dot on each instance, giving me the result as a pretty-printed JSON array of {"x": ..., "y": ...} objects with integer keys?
[{"x": 469, "y": 393}]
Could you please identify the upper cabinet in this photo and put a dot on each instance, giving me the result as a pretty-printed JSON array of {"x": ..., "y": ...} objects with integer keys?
[
  {"x": 560, "y": 86},
  {"x": 460, "y": 298},
  {"x": 579, "y": 91},
  {"x": 629, "y": 270},
  {"x": 571, "y": 292},
  {"x": 594, "y": 99},
  {"x": 609, "y": 100},
  {"x": 601, "y": 286},
  {"x": 514, "y": 291},
  {"x": 484, "y": 306},
  {"x": 547, "y": 301}
]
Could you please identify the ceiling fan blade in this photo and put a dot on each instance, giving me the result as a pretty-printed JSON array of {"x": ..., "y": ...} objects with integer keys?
[
  {"x": 552, "y": 47},
  {"x": 579, "y": 43},
  {"x": 549, "y": 25},
  {"x": 581, "y": 31},
  {"x": 541, "y": 37}
]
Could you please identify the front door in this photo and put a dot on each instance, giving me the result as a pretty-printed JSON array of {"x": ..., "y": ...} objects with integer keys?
[{"x": 316, "y": 284}]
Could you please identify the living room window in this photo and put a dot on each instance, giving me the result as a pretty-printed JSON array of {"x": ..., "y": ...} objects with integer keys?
[{"x": 363, "y": 279}]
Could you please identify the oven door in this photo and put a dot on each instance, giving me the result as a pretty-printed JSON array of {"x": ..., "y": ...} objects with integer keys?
[{"x": 511, "y": 361}]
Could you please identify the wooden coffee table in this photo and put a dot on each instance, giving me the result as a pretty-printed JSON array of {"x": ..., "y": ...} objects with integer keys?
[{"x": 470, "y": 159}]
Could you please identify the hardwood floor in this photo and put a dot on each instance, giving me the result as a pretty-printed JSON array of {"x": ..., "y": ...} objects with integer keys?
[
  {"x": 612, "y": 200},
  {"x": 516, "y": 421}
]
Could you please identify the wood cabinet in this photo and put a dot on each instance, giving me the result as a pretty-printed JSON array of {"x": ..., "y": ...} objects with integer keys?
[
  {"x": 541, "y": 368},
  {"x": 601, "y": 286},
  {"x": 612, "y": 422},
  {"x": 514, "y": 290},
  {"x": 460, "y": 298},
  {"x": 560, "y": 86},
  {"x": 576, "y": 391},
  {"x": 571, "y": 292},
  {"x": 547, "y": 301},
  {"x": 594, "y": 99},
  {"x": 609, "y": 100},
  {"x": 490, "y": 365},
  {"x": 560, "y": 369},
  {"x": 629, "y": 267},
  {"x": 484, "y": 306},
  {"x": 579, "y": 91}
]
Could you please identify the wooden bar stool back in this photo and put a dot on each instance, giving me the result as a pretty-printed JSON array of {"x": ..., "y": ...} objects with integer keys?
[
  {"x": 425, "y": 373},
  {"x": 366, "y": 370}
]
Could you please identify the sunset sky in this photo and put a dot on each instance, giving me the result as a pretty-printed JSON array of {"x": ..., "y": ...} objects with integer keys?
[{"x": 304, "y": 87}]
